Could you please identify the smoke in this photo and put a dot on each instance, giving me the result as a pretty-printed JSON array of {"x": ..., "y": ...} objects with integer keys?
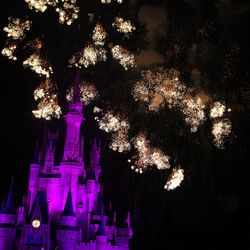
[
  {"x": 154, "y": 20},
  {"x": 148, "y": 57}
]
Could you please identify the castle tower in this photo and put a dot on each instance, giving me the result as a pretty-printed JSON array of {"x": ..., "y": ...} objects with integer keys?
[
  {"x": 7, "y": 222},
  {"x": 67, "y": 231},
  {"x": 36, "y": 234},
  {"x": 73, "y": 120},
  {"x": 71, "y": 167}
]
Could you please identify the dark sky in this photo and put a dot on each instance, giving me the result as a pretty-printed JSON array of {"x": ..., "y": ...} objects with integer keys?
[{"x": 213, "y": 201}]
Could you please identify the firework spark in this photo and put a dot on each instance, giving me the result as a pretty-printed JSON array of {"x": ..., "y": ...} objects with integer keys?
[
  {"x": 193, "y": 109},
  {"x": 90, "y": 55},
  {"x": 16, "y": 28},
  {"x": 40, "y": 5},
  {"x": 109, "y": 1},
  {"x": 112, "y": 123},
  {"x": 99, "y": 35},
  {"x": 9, "y": 51},
  {"x": 120, "y": 142},
  {"x": 159, "y": 88},
  {"x": 48, "y": 104},
  {"x": 68, "y": 12},
  {"x": 175, "y": 179},
  {"x": 88, "y": 93},
  {"x": 38, "y": 64},
  {"x": 148, "y": 156},
  {"x": 122, "y": 25},
  {"x": 125, "y": 58},
  {"x": 220, "y": 130},
  {"x": 217, "y": 110}
]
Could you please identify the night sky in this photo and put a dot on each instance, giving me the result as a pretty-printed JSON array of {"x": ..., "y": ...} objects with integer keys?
[{"x": 208, "y": 37}]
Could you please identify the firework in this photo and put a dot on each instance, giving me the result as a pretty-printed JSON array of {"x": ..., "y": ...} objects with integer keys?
[
  {"x": 193, "y": 110},
  {"x": 175, "y": 179},
  {"x": 16, "y": 28},
  {"x": 99, "y": 35},
  {"x": 112, "y": 123},
  {"x": 217, "y": 110},
  {"x": 109, "y": 1},
  {"x": 159, "y": 88},
  {"x": 122, "y": 25},
  {"x": 48, "y": 104},
  {"x": 220, "y": 130},
  {"x": 40, "y": 5},
  {"x": 9, "y": 51},
  {"x": 88, "y": 93},
  {"x": 39, "y": 65},
  {"x": 120, "y": 142},
  {"x": 90, "y": 55},
  {"x": 125, "y": 58},
  {"x": 68, "y": 12},
  {"x": 148, "y": 156}
]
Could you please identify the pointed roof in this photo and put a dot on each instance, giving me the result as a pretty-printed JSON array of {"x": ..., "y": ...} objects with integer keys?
[
  {"x": 76, "y": 89},
  {"x": 10, "y": 202},
  {"x": 35, "y": 159},
  {"x": 40, "y": 207},
  {"x": 100, "y": 204},
  {"x": 68, "y": 208},
  {"x": 101, "y": 231}
]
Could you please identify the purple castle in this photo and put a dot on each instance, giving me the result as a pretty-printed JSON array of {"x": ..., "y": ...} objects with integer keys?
[{"x": 64, "y": 207}]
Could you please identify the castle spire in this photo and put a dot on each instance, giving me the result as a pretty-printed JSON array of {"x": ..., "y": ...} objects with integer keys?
[
  {"x": 68, "y": 208},
  {"x": 76, "y": 89},
  {"x": 101, "y": 231},
  {"x": 73, "y": 119},
  {"x": 10, "y": 204}
]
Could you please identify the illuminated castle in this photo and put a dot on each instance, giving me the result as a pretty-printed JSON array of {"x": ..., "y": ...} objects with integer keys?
[{"x": 64, "y": 207}]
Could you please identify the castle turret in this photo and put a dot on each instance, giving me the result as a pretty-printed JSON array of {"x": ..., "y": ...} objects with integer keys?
[
  {"x": 95, "y": 158},
  {"x": 101, "y": 236},
  {"x": 50, "y": 152},
  {"x": 7, "y": 222},
  {"x": 67, "y": 231}
]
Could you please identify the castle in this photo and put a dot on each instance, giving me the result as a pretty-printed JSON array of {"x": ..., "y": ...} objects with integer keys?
[{"x": 64, "y": 206}]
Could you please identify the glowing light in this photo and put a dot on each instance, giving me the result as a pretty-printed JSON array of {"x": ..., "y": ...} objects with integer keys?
[
  {"x": 48, "y": 105},
  {"x": 88, "y": 93},
  {"x": 40, "y": 5},
  {"x": 217, "y": 110},
  {"x": 16, "y": 28},
  {"x": 125, "y": 58},
  {"x": 36, "y": 223},
  {"x": 68, "y": 12},
  {"x": 122, "y": 25},
  {"x": 90, "y": 55},
  {"x": 220, "y": 130},
  {"x": 99, "y": 35},
  {"x": 193, "y": 109},
  {"x": 109, "y": 1},
  {"x": 175, "y": 179},
  {"x": 9, "y": 51},
  {"x": 148, "y": 156},
  {"x": 39, "y": 65},
  {"x": 112, "y": 123},
  {"x": 159, "y": 88},
  {"x": 120, "y": 142}
]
